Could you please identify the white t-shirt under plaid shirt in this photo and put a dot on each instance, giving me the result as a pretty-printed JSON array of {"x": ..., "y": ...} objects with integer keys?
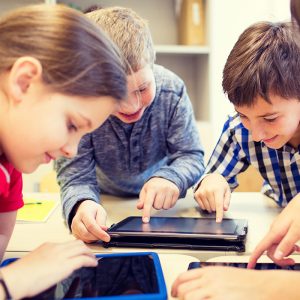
[{"x": 236, "y": 150}]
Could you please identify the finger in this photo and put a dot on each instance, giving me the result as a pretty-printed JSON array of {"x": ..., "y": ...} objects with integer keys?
[
  {"x": 150, "y": 197},
  {"x": 188, "y": 286},
  {"x": 219, "y": 200},
  {"x": 199, "y": 201},
  {"x": 140, "y": 203},
  {"x": 287, "y": 244},
  {"x": 168, "y": 203},
  {"x": 174, "y": 199},
  {"x": 95, "y": 230},
  {"x": 227, "y": 197},
  {"x": 263, "y": 245},
  {"x": 159, "y": 200},
  {"x": 206, "y": 201}
]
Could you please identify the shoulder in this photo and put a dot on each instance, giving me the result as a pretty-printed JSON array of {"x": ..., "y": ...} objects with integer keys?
[{"x": 167, "y": 81}]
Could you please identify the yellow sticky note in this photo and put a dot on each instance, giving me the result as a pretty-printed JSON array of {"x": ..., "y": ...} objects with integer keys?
[{"x": 36, "y": 210}]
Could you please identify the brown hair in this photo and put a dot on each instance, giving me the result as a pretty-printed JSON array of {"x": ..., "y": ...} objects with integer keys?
[
  {"x": 265, "y": 60},
  {"x": 76, "y": 56},
  {"x": 129, "y": 32},
  {"x": 295, "y": 11}
]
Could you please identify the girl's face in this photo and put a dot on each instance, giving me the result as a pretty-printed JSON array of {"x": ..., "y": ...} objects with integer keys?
[
  {"x": 275, "y": 123},
  {"x": 47, "y": 125}
]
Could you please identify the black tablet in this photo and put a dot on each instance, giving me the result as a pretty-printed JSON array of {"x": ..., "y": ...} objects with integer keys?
[
  {"x": 243, "y": 265},
  {"x": 177, "y": 232},
  {"x": 179, "y": 227}
]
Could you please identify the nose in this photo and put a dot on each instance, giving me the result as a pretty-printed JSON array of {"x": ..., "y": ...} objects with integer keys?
[
  {"x": 131, "y": 104},
  {"x": 257, "y": 132},
  {"x": 70, "y": 149}
]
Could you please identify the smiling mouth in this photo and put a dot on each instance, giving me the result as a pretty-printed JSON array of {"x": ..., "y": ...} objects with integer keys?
[
  {"x": 269, "y": 140},
  {"x": 131, "y": 115}
]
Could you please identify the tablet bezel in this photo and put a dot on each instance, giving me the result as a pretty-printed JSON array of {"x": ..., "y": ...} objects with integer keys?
[{"x": 240, "y": 232}]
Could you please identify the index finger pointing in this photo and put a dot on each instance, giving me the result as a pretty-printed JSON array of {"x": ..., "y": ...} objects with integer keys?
[{"x": 150, "y": 197}]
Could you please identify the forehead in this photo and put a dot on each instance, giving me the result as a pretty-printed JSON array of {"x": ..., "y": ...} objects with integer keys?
[{"x": 262, "y": 107}]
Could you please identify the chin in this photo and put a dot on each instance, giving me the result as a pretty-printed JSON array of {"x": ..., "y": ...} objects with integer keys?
[{"x": 27, "y": 169}]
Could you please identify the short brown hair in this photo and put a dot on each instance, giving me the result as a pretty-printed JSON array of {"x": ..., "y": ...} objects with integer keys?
[
  {"x": 265, "y": 60},
  {"x": 76, "y": 56},
  {"x": 129, "y": 32}
]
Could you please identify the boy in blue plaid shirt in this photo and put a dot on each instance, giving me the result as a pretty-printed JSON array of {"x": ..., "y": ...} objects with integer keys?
[
  {"x": 262, "y": 80},
  {"x": 273, "y": 75}
]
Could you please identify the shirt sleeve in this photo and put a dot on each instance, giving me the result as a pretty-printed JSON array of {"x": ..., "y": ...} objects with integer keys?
[
  {"x": 12, "y": 199},
  {"x": 185, "y": 152},
  {"x": 228, "y": 158}
]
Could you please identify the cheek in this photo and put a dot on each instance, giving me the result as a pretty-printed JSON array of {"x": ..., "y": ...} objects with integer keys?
[{"x": 148, "y": 97}]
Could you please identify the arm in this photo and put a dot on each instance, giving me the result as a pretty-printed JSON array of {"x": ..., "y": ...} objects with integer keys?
[
  {"x": 80, "y": 194},
  {"x": 215, "y": 282},
  {"x": 47, "y": 265},
  {"x": 185, "y": 159},
  {"x": 282, "y": 237},
  {"x": 7, "y": 221},
  {"x": 227, "y": 160}
]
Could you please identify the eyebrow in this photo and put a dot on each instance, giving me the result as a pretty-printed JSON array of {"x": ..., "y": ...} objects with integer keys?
[
  {"x": 88, "y": 121},
  {"x": 261, "y": 116}
]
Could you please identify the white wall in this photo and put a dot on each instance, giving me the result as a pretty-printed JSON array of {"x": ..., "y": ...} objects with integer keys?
[{"x": 227, "y": 21}]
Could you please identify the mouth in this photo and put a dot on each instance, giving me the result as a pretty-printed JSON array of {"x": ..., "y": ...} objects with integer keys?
[
  {"x": 48, "y": 158},
  {"x": 271, "y": 140},
  {"x": 132, "y": 116}
]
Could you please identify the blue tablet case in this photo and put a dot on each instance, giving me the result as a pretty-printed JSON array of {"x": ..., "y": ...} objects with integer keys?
[{"x": 161, "y": 293}]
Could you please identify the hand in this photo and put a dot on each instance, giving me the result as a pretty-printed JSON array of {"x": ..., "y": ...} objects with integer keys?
[
  {"x": 213, "y": 194},
  {"x": 45, "y": 266},
  {"x": 89, "y": 221},
  {"x": 159, "y": 193},
  {"x": 232, "y": 283},
  {"x": 281, "y": 239}
]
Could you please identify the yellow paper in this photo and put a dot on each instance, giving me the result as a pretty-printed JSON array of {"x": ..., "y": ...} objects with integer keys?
[{"x": 36, "y": 210}]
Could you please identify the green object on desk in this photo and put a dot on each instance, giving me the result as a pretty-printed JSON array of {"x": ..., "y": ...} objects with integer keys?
[{"x": 36, "y": 210}]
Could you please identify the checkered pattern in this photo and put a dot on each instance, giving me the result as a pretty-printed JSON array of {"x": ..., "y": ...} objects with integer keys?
[{"x": 236, "y": 150}]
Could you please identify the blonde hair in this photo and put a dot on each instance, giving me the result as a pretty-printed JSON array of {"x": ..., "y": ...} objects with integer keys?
[
  {"x": 76, "y": 56},
  {"x": 129, "y": 32}
]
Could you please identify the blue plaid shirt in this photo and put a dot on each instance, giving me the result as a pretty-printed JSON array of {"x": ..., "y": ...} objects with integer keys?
[
  {"x": 236, "y": 150},
  {"x": 118, "y": 158}
]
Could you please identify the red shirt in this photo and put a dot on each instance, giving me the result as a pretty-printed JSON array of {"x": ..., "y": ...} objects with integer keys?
[{"x": 11, "y": 184}]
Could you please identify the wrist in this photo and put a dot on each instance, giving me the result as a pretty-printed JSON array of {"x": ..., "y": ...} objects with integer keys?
[{"x": 4, "y": 291}]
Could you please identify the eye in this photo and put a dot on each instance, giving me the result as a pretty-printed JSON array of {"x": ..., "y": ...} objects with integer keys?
[
  {"x": 142, "y": 90},
  {"x": 270, "y": 120},
  {"x": 72, "y": 127}
]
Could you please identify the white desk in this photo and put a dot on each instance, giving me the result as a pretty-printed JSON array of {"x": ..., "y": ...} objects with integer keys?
[{"x": 258, "y": 209}]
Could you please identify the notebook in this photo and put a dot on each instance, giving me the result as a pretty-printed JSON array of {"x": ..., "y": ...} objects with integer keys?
[{"x": 36, "y": 210}]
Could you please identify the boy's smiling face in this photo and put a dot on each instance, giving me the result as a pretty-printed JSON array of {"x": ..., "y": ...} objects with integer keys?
[
  {"x": 275, "y": 123},
  {"x": 141, "y": 92}
]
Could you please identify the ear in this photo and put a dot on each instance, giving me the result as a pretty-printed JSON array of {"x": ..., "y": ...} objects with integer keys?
[{"x": 24, "y": 72}]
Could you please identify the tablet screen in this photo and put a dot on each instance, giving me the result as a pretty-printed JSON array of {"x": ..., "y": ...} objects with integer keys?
[
  {"x": 114, "y": 276},
  {"x": 177, "y": 225}
]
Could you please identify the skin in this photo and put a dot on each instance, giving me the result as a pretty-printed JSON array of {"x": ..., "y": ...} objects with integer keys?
[
  {"x": 275, "y": 124},
  {"x": 216, "y": 283},
  {"x": 282, "y": 237},
  {"x": 47, "y": 265},
  {"x": 56, "y": 123},
  {"x": 88, "y": 223}
]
